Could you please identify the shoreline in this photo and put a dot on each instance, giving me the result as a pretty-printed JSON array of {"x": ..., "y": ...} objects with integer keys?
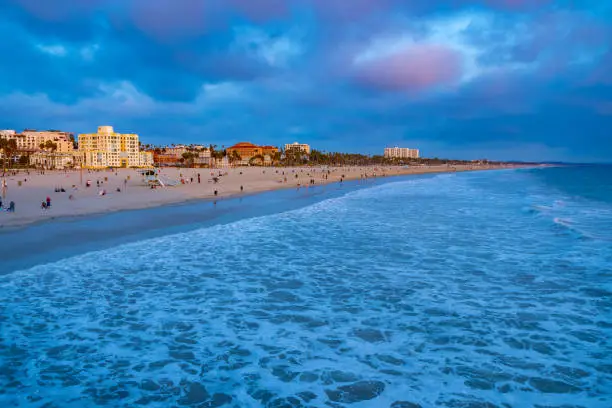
[
  {"x": 40, "y": 217},
  {"x": 63, "y": 237}
]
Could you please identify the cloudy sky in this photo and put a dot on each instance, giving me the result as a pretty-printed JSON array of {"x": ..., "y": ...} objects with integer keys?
[{"x": 504, "y": 79}]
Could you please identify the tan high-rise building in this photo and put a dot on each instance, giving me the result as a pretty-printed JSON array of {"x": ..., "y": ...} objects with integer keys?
[
  {"x": 401, "y": 153},
  {"x": 33, "y": 139},
  {"x": 109, "y": 149}
]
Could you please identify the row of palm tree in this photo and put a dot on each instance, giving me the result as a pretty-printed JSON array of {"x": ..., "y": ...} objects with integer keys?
[
  {"x": 317, "y": 157},
  {"x": 296, "y": 157}
]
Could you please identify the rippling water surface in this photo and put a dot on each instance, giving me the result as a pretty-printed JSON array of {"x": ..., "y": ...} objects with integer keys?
[{"x": 487, "y": 289}]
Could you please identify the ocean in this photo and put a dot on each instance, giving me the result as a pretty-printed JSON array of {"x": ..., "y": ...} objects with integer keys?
[{"x": 482, "y": 289}]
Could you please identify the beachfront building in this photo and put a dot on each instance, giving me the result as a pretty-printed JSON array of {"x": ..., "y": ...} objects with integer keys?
[
  {"x": 174, "y": 156},
  {"x": 204, "y": 153},
  {"x": 109, "y": 149},
  {"x": 31, "y": 140},
  {"x": 163, "y": 159},
  {"x": 52, "y": 160},
  {"x": 247, "y": 151},
  {"x": 146, "y": 159},
  {"x": 221, "y": 162},
  {"x": 203, "y": 159},
  {"x": 169, "y": 156},
  {"x": 401, "y": 153},
  {"x": 6, "y": 133},
  {"x": 299, "y": 147},
  {"x": 269, "y": 150},
  {"x": 176, "y": 151}
]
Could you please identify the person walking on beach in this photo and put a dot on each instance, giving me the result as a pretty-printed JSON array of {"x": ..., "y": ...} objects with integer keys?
[
  {"x": 198, "y": 178},
  {"x": 48, "y": 201}
]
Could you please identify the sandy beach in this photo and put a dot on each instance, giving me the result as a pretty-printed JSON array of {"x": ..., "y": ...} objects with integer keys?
[{"x": 125, "y": 188}]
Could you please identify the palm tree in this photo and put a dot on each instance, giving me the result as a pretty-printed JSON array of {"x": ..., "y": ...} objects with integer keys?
[
  {"x": 257, "y": 159},
  {"x": 8, "y": 148},
  {"x": 234, "y": 157},
  {"x": 276, "y": 157},
  {"x": 211, "y": 148},
  {"x": 190, "y": 157},
  {"x": 51, "y": 145}
]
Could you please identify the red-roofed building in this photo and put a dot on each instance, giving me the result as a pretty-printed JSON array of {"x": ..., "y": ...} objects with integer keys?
[{"x": 247, "y": 151}]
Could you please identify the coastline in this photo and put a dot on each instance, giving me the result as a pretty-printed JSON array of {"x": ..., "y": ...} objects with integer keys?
[
  {"x": 61, "y": 237},
  {"x": 138, "y": 197}
]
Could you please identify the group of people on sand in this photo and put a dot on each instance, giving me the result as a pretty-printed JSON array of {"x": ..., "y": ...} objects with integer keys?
[
  {"x": 46, "y": 204},
  {"x": 10, "y": 208}
]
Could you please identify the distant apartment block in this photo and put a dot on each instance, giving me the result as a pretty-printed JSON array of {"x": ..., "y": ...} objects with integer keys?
[
  {"x": 301, "y": 147},
  {"x": 109, "y": 149},
  {"x": 401, "y": 153},
  {"x": 31, "y": 140}
]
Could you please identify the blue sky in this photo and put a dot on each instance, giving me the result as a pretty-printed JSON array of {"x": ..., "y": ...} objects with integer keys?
[{"x": 503, "y": 79}]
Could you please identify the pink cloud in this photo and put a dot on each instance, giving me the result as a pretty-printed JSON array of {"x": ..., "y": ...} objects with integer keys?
[{"x": 415, "y": 69}]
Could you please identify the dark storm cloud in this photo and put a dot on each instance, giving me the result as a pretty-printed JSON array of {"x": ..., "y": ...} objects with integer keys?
[{"x": 456, "y": 75}]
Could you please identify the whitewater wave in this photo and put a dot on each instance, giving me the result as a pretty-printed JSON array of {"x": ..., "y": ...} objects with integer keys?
[{"x": 372, "y": 299}]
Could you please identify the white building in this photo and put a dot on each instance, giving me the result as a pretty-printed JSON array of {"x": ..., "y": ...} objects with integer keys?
[
  {"x": 176, "y": 151},
  {"x": 302, "y": 147},
  {"x": 146, "y": 159},
  {"x": 401, "y": 153},
  {"x": 109, "y": 149},
  {"x": 204, "y": 153},
  {"x": 48, "y": 160}
]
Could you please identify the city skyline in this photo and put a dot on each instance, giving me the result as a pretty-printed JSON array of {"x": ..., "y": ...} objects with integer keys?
[
  {"x": 32, "y": 140},
  {"x": 501, "y": 79}
]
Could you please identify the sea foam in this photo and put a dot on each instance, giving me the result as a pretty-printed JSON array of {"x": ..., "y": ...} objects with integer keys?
[{"x": 439, "y": 291}]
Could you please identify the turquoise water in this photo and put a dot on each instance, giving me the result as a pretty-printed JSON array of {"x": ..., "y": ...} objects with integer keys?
[{"x": 486, "y": 289}]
